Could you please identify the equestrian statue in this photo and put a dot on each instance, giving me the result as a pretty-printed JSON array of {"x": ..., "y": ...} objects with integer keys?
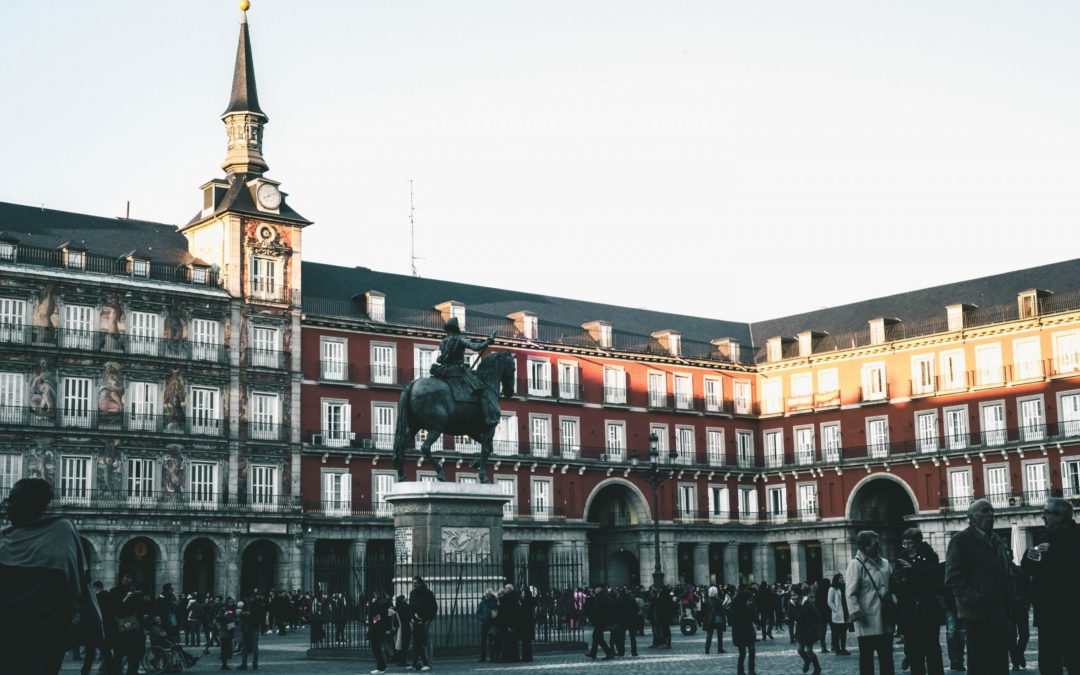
[{"x": 454, "y": 400}]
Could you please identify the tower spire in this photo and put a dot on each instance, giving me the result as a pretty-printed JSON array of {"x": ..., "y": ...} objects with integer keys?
[{"x": 243, "y": 118}]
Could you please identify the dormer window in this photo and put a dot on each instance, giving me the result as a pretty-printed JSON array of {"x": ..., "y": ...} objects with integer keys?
[
  {"x": 139, "y": 267},
  {"x": 452, "y": 309},
  {"x": 669, "y": 340},
  {"x": 376, "y": 306},
  {"x": 1030, "y": 302},
  {"x": 774, "y": 349},
  {"x": 605, "y": 337},
  {"x": 8, "y": 250},
  {"x": 526, "y": 324},
  {"x": 75, "y": 259},
  {"x": 600, "y": 332}
]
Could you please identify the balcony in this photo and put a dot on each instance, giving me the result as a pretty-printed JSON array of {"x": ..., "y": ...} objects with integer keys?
[
  {"x": 685, "y": 403},
  {"x": 75, "y": 499},
  {"x": 716, "y": 458},
  {"x": 382, "y": 375},
  {"x": 808, "y": 514},
  {"x": 749, "y": 517},
  {"x": 827, "y": 399},
  {"x": 344, "y": 508},
  {"x": 682, "y": 515},
  {"x": 267, "y": 358},
  {"x": 714, "y": 404},
  {"x": 265, "y": 431},
  {"x": 337, "y": 371},
  {"x": 803, "y": 403},
  {"x": 659, "y": 401},
  {"x": 112, "y": 343},
  {"x": 267, "y": 290},
  {"x": 717, "y": 517},
  {"x": 923, "y": 387},
  {"x": 570, "y": 391},
  {"x": 615, "y": 395},
  {"x": 874, "y": 394},
  {"x": 78, "y": 418},
  {"x": 745, "y": 461},
  {"x": 535, "y": 388},
  {"x": 536, "y": 514},
  {"x": 1066, "y": 364},
  {"x": 774, "y": 460},
  {"x": 1029, "y": 371},
  {"x": 113, "y": 266},
  {"x": 776, "y": 517}
]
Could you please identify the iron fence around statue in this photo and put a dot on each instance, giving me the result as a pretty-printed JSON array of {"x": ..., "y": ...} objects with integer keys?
[{"x": 338, "y": 617}]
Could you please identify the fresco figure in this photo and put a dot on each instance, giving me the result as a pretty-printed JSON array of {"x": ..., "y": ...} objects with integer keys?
[
  {"x": 43, "y": 390},
  {"x": 111, "y": 394},
  {"x": 175, "y": 401},
  {"x": 110, "y": 317}
]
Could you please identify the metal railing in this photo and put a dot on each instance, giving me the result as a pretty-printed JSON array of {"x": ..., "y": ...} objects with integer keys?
[
  {"x": 615, "y": 395},
  {"x": 267, "y": 358},
  {"x": 535, "y": 387},
  {"x": 70, "y": 498},
  {"x": 265, "y": 431},
  {"x": 112, "y": 343},
  {"x": 337, "y": 371},
  {"x": 80, "y": 418},
  {"x": 1001, "y": 500},
  {"x": 102, "y": 264},
  {"x": 386, "y": 375}
]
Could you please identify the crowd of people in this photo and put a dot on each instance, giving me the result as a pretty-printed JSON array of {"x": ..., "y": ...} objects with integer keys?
[{"x": 979, "y": 593}]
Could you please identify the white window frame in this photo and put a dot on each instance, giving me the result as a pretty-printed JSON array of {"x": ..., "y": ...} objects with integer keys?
[
  {"x": 1032, "y": 427},
  {"x": 953, "y": 373},
  {"x": 12, "y": 320},
  {"x": 615, "y": 440},
  {"x": 830, "y": 451},
  {"x": 805, "y": 450},
  {"x": 507, "y": 484},
  {"x": 957, "y": 427},
  {"x": 874, "y": 382},
  {"x": 742, "y": 394},
  {"x": 719, "y": 503},
  {"x": 748, "y": 504},
  {"x": 806, "y": 501},
  {"x": 205, "y": 339},
  {"x": 657, "y": 388},
  {"x": 569, "y": 437},
  {"x": 997, "y": 492},
  {"x": 996, "y": 434},
  {"x": 336, "y": 428},
  {"x": 74, "y": 259},
  {"x": 961, "y": 488},
  {"x": 1027, "y": 364},
  {"x": 205, "y": 410},
  {"x": 988, "y": 364},
  {"x": 744, "y": 448},
  {"x": 569, "y": 380},
  {"x": 926, "y": 431},
  {"x": 828, "y": 380},
  {"x": 383, "y": 423},
  {"x": 77, "y": 326},
  {"x": 539, "y": 376},
  {"x": 12, "y": 397},
  {"x": 262, "y": 486},
  {"x": 11, "y": 471},
  {"x": 542, "y": 501},
  {"x": 75, "y": 479},
  {"x": 506, "y": 435},
  {"x": 265, "y": 346},
  {"x": 922, "y": 374},
  {"x": 540, "y": 435},
  {"x": 76, "y": 406},
  {"x": 336, "y": 492},
  {"x": 877, "y": 437},
  {"x": 140, "y": 480},
  {"x": 772, "y": 396},
  {"x": 614, "y": 385},
  {"x": 715, "y": 453},
  {"x": 333, "y": 358},
  {"x": 1066, "y": 352},
  {"x": 802, "y": 385},
  {"x": 661, "y": 433},
  {"x": 382, "y": 482},
  {"x": 1068, "y": 407},
  {"x": 203, "y": 485},
  {"x": 776, "y": 503},
  {"x": 383, "y": 363},
  {"x": 144, "y": 332},
  {"x": 683, "y": 385},
  {"x": 265, "y": 277},
  {"x": 1070, "y": 477},
  {"x": 1035, "y": 491},
  {"x": 714, "y": 394},
  {"x": 687, "y": 501},
  {"x": 773, "y": 442},
  {"x": 685, "y": 444},
  {"x": 264, "y": 416},
  {"x": 423, "y": 357}
]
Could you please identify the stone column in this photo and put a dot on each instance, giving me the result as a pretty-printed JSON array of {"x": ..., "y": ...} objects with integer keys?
[
  {"x": 308, "y": 564},
  {"x": 798, "y": 561},
  {"x": 669, "y": 558},
  {"x": 646, "y": 564},
  {"x": 172, "y": 563},
  {"x": 731, "y": 564},
  {"x": 764, "y": 562},
  {"x": 701, "y": 563}
]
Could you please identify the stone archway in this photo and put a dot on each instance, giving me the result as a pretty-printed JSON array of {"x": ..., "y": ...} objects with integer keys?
[
  {"x": 139, "y": 558},
  {"x": 882, "y": 503},
  {"x": 201, "y": 558},
  {"x": 620, "y": 511},
  {"x": 259, "y": 567}
]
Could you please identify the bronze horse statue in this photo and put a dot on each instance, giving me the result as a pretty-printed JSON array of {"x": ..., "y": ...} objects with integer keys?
[{"x": 428, "y": 403}]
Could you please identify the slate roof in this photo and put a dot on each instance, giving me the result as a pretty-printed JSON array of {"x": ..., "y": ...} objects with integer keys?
[
  {"x": 924, "y": 305},
  {"x": 238, "y": 198},
  {"x": 244, "y": 97},
  {"x": 113, "y": 237},
  {"x": 402, "y": 291}
]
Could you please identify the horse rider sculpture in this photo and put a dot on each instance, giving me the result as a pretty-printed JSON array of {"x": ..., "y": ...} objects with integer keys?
[{"x": 463, "y": 381}]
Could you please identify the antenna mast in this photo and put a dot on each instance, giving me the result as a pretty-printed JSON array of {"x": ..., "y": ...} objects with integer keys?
[{"x": 412, "y": 232}]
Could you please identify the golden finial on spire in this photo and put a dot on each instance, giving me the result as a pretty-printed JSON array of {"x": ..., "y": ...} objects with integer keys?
[{"x": 244, "y": 5}]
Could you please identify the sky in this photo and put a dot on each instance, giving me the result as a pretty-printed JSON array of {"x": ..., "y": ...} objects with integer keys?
[{"x": 732, "y": 160}]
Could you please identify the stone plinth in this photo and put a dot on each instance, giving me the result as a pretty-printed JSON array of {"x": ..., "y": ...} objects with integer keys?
[{"x": 447, "y": 521}]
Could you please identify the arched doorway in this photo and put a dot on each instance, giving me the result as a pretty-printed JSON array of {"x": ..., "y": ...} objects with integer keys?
[
  {"x": 882, "y": 504},
  {"x": 139, "y": 559},
  {"x": 258, "y": 567},
  {"x": 200, "y": 559},
  {"x": 619, "y": 510}
]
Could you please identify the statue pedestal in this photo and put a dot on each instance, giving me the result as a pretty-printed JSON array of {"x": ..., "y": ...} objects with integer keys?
[
  {"x": 451, "y": 535},
  {"x": 447, "y": 522}
]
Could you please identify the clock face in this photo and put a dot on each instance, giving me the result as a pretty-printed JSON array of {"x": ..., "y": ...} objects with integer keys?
[{"x": 268, "y": 195}]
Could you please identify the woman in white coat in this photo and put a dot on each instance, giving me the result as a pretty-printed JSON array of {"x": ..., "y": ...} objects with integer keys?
[
  {"x": 868, "y": 581},
  {"x": 838, "y": 615}
]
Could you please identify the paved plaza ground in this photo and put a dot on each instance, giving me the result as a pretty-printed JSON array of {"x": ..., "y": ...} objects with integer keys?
[{"x": 286, "y": 655}]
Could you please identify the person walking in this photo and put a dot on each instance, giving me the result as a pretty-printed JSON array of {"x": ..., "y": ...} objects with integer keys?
[
  {"x": 251, "y": 619},
  {"x": 125, "y": 602},
  {"x": 977, "y": 572},
  {"x": 44, "y": 582},
  {"x": 598, "y": 612},
  {"x": 714, "y": 620},
  {"x": 807, "y": 626},
  {"x": 378, "y": 624},
  {"x": 485, "y": 609},
  {"x": 226, "y": 631},
  {"x": 527, "y": 622},
  {"x": 955, "y": 634},
  {"x": 821, "y": 601},
  {"x": 920, "y": 609},
  {"x": 1053, "y": 566},
  {"x": 743, "y": 630},
  {"x": 627, "y": 609},
  {"x": 424, "y": 609},
  {"x": 665, "y": 612},
  {"x": 838, "y": 615},
  {"x": 867, "y": 593}
]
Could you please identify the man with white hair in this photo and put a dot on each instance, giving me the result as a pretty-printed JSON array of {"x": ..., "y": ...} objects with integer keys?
[
  {"x": 977, "y": 572},
  {"x": 1053, "y": 566}
]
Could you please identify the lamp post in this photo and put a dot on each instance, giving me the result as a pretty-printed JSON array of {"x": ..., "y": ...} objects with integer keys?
[{"x": 656, "y": 476}]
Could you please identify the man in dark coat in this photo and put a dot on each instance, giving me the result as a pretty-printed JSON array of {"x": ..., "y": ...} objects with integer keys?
[
  {"x": 977, "y": 571},
  {"x": 1053, "y": 566},
  {"x": 598, "y": 609},
  {"x": 917, "y": 583},
  {"x": 424, "y": 608}
]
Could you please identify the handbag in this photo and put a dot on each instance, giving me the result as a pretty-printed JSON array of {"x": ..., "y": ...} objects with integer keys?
[{"x": 888, "y": 602}]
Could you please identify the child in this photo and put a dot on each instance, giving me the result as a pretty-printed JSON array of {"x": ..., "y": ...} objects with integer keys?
[{"x": 807, "y": 627}]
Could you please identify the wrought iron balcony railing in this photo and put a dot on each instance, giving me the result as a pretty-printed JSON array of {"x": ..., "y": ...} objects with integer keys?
[
  {"x": 112, "y": 343},
  {"x": 267, "y": 358},
  {"x": 72, "y": 497},
  {"x": 199, "y": 423}
]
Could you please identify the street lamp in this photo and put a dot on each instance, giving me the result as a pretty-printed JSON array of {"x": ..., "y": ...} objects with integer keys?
[{"x": 656, "y": 476}]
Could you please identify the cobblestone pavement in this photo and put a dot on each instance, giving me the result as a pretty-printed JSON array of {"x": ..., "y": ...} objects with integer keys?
[{"x": 287, "y": 655}]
